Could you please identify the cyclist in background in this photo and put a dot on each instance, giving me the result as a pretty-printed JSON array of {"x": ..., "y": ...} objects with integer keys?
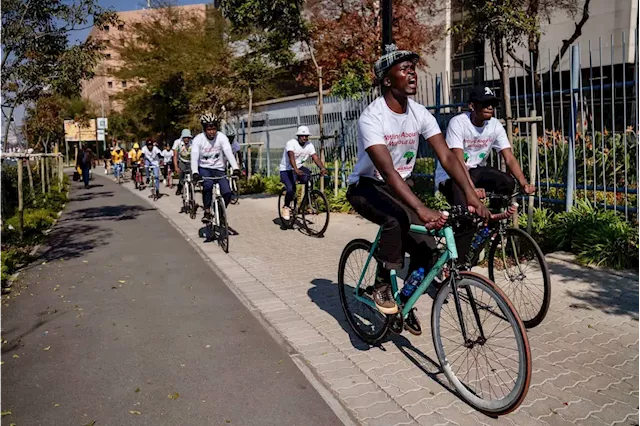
[
  {"x": 151, "y": 155},
  {"x": 210, "y": 152},
  {"x": 471, "y": 136},
  {"x": 388, "y": 136},
  {"x": 117, "y": 159},
  {"x": 167, "y": 161},
  {"x": 182, "y": 157},
  {"x": 135, "y": 156},
  {"x": 296, "y": 152}
]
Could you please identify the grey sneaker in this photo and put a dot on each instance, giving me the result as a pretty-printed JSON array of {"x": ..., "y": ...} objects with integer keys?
[{"x": 383, "y": 298}]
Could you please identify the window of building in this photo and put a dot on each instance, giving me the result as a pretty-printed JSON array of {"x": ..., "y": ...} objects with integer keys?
[
  {"x": 110, "y": 84},
  {"x": 124, "y": 84},
  {"x": 108, "y": 55},
  {"x": 141, "y": 80},
  {"x": 105, "y": 28},
  {"x": 467, "y": 65},
  {"x": 121, "y": 27}
]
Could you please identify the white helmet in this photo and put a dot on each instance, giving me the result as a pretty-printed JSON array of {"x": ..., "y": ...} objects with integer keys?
[
  {"x": 208, "y": 118},
  {"x": 303, "y": 131}
]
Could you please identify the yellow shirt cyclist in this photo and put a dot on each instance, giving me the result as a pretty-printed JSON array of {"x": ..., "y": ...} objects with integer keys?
[{"x": 117, "y": 156}]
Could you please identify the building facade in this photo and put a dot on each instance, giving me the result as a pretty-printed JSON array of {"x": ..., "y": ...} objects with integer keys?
[{"x": 102, "y": 89}]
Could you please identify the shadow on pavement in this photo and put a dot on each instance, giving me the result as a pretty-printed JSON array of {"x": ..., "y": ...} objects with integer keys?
[
  {"x": 68, "y": 241},
  {"x": 608, "y": 293},
  {"x": 91, "y": 195},
  {"x": 118, "y": 212},
  {"x": 13, "y": 342}
]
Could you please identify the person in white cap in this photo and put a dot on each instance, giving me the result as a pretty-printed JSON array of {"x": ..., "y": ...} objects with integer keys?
[
  {"x": 117, "y": 158},
  {"x": 182, "y": 156},
  {"x": 296, "y": 152}
]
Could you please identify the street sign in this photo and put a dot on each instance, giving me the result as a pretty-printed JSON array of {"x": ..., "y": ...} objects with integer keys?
[
  {"x": 102, "y": 123},
  {"x": 101, "y": 134}
]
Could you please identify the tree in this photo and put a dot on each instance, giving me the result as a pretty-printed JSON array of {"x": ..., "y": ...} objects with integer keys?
[
  {"x": 186, "y": 65},
  {"x": 346, "y": 37},
  {"x": 37, "y": 55}
]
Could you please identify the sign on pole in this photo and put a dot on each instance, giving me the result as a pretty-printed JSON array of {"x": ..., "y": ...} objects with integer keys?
[
  {"x": 102, "y": 123},
  {"x": 101, "y": 134}
]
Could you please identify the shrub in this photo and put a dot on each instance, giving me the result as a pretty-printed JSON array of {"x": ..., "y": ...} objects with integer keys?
[
  {"x": 35, "y": 221},
  {"x": 255, "y": 185},
  {"x": 11, "y": 259},
  {"x": 272, "y": 185},
  {"x": 542, "y": 223},
  {"x": 339, "y": 203}
]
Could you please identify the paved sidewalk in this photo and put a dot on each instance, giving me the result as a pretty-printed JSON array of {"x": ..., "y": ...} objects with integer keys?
[
  {"x": 585, "y": 353},
  {"x": 121, "y": 322}
]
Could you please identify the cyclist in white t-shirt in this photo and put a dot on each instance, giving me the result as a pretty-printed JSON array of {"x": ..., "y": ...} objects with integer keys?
[
  {"x": 296, "y": 152},
  {"x": 388, "y": 135},
  {"x": 472, "y": 136}
]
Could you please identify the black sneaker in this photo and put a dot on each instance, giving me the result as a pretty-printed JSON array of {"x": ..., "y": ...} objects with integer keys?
[
  {"x": 412, "y": 324},
  {"x": 207, "y": 217},
  {"x": 383, "y": 298},
  {"x": 179, "y": 191}
]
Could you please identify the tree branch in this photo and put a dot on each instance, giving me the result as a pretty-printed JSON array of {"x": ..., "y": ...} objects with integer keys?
[
  {"x": 24, "y": 13},
  {"x": 519, "y": 61},
  {"x": 576, "y": 33}
]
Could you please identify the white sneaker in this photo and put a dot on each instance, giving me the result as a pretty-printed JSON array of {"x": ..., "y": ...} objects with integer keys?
[{"x": 285, "y": 213}]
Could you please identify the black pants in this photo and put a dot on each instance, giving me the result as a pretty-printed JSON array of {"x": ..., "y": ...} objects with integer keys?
[
  {"x": 289, "y": 179},
  {"x": 375, "y": 201},
  {"x": 487, "y": 178}
]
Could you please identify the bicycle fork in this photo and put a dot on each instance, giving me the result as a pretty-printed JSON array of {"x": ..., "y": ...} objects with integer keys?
[{"x": 468, "y": 343}]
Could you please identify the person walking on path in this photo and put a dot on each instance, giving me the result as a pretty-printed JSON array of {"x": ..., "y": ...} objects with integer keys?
[{"x": 85, "y": 163}]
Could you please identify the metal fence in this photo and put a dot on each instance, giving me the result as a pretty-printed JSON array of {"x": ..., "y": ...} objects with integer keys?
[{"x": 587, "y": 146}]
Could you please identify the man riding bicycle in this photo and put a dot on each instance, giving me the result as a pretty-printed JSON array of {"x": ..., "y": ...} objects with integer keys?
[
  {"x": 182, "y": 157},
  {"x": 471, "y": 136},
  {"x": 210, "y": 152},
  {"x": 117, "y": 159},
  {"x": 135, "y": 156},
  {"x": 151, "y": 155},
  {"x": 296, "y": 152},
  {"x": 388, "y": 137}
]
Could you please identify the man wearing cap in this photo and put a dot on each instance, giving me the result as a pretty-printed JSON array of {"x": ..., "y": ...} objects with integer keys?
[
  {"x": 388, "y": 135},
  {"x": 296, "y": 152},
  {"x": 471, "y": 136},
  {"x": 182, "y": 156},
  {"x": 117, "y": 159}
]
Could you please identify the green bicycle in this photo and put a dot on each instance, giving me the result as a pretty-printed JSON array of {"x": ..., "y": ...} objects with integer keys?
[{"x": 472, "y": 321}]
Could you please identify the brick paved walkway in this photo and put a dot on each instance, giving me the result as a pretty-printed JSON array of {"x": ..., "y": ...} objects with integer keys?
[{"x": 585, "y": 354}]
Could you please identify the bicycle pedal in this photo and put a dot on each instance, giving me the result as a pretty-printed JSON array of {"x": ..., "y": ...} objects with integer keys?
[{"x": 396, "y": 323}]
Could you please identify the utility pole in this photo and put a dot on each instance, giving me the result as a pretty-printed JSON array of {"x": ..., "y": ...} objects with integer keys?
[{"x": 387, "y": 22}]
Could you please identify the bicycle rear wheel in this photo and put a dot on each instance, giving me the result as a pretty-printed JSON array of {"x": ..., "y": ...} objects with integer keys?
[
  {"x": 518, "y": 267},
  {"x": 491, "y": 369},
  {"x": 315, "y": 213},
  {"x": 223, "y": 226},
  {"x": 292, "y": 212},
  {"x": 366, "y": 321}
]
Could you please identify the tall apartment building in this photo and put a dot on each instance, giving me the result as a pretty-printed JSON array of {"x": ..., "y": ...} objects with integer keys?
[{"x": 101, "y": 89}]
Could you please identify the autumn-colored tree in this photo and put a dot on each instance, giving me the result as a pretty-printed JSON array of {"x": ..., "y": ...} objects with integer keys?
[{"x": 346, "y": 37}]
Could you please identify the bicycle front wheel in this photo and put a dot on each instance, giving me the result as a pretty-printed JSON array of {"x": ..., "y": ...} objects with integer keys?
[
  {"x": 315, "y": 213},
  {"x": 491, "y": 367},
  {"x": 292, "y": 212},
  {"x": 366, "y": 321},
  {"x": 223, "y": 226},
  {"x": 518, "y": 267}
]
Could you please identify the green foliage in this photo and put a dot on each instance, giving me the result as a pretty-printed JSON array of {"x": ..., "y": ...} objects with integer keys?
[
  {"x": 356, "y": 79},
  {"x": 11, "y": 259},
  {"x": 339, "y": 203},
  {"x": 542, "y": 223},
  {"x": 255, "y": 185},
  {"x": 272, "y": 185}
]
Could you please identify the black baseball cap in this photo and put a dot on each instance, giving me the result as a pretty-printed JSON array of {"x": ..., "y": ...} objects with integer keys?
[{"x": 483, "y": 94}]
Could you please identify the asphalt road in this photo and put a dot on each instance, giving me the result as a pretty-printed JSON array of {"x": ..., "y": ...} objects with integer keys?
[{"x": 121, "y": 322}]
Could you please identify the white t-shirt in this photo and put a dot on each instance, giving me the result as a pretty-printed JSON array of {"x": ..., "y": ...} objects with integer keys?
[
  {"x": 152, "y": 156},
  {"x": 167, "y": 156},
  {"x": 211, "y": 154},
  {"x": 378, "y": 125},
  {"x": 301, "y": 154},
  {"x": 476, "y": 142},
  {"x": 235, "y": 147},
  {"x": 183, "y": 150}
]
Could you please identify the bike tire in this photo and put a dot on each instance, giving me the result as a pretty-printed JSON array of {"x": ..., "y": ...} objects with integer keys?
[
  {"x": 532, "y": 311},
  {"x": 292, "y": 218},
  {"x": 223, "y": 226},
  {"x": 379, "y": 322},
  {"x": 505, "y": 314},
  {"x": 320, "y": 205}
]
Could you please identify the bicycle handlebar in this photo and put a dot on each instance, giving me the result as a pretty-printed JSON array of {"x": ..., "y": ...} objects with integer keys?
[
  {"x": 456, "y": 213},
  {"x": 496, "y": 196}
]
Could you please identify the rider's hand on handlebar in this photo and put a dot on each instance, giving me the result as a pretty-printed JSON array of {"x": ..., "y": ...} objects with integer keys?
[
  {"x": 299, "y": 172},
  {"x": 529, "y": 189},
  {"x": 323, "y": 172},
  {"x": 236, "y": 172},
  {"x": 480, "y": 209},
  {"x": 481, "y": 193},
  {"x": 431, "y": 218},
  {"x": 195, "y": 177}
]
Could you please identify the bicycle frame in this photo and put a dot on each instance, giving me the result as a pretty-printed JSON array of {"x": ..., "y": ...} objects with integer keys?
[{"x": 451, "y": 253}]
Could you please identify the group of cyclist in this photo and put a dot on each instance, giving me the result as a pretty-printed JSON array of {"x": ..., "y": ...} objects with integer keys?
[{"x": 389, "y": 131}]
